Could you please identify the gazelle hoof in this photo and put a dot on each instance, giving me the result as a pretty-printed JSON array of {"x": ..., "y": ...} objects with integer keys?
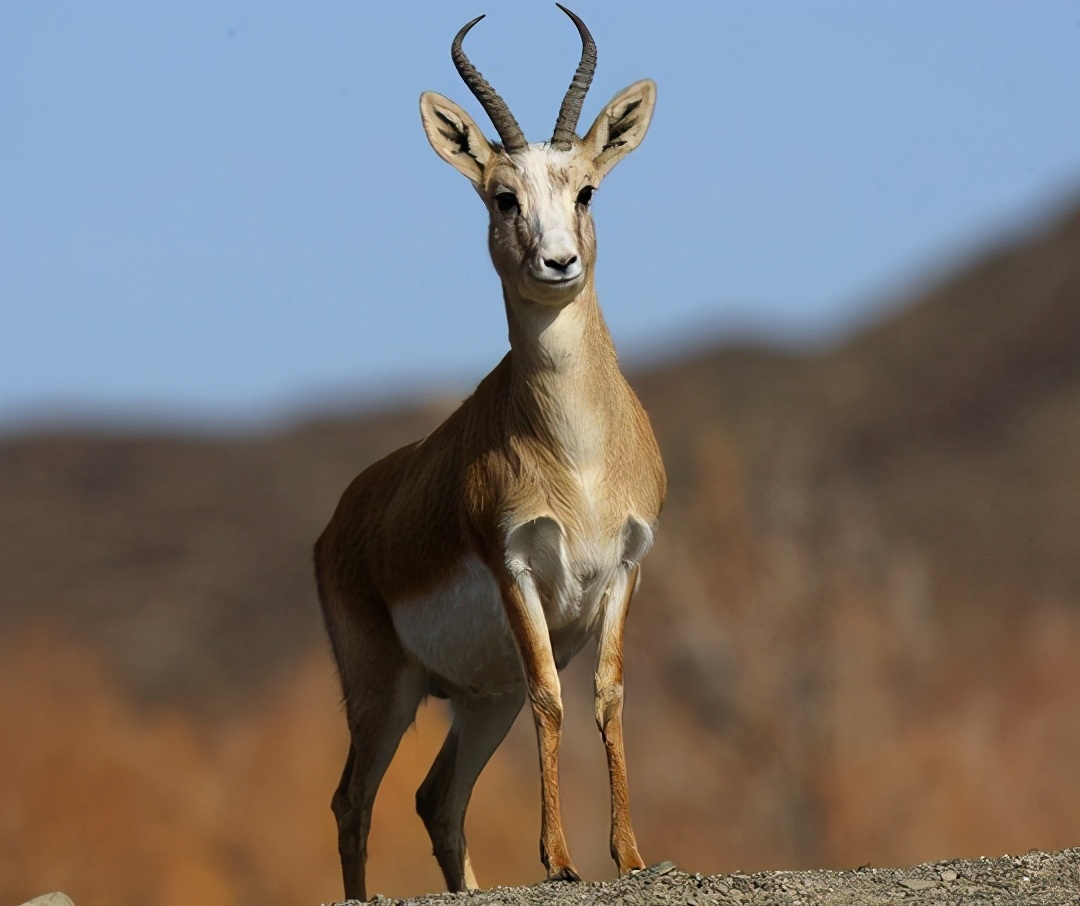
[{"x": 564, "y": 874}]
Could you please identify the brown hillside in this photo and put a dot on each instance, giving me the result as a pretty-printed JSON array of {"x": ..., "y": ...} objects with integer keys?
[{"x": 856, "y": 639}]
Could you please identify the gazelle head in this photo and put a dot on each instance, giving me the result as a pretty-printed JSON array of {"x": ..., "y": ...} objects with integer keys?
[{"x": 540, "y": 232}]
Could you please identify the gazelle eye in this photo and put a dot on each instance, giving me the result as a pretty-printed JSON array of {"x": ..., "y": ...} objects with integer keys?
[
  {"x": 506, "y": 201},
  {"x": 585, "y": 196}
]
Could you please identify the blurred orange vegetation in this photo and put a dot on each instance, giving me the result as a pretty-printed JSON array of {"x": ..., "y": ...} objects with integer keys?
[{"x": 116, "y": 804}]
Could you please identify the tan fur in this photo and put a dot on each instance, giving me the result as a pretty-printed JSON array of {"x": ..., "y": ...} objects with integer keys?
[{"x": 535, "y": 501}]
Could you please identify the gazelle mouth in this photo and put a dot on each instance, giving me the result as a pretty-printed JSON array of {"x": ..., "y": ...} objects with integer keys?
[
  {"x": 549, "y": 278},
  {"x": 557, "y": 281}
]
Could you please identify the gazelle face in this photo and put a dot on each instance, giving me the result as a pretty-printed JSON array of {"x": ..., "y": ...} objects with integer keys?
[{"x": 540, "y": 230}]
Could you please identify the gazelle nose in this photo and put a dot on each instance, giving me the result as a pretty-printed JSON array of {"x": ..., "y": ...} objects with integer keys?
[{"x": 561, "y": 264}]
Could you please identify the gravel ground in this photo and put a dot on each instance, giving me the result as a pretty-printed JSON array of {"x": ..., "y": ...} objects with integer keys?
[{"x": 1035, "y": 879}]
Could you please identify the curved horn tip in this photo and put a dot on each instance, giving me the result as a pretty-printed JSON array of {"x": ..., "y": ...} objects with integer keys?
[
  {"x": 574, "y": 17},
  {"x": 464, "y": 30}
]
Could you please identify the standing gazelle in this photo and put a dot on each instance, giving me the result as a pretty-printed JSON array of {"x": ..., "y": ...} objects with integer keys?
[{"x": 475, "y": 563}]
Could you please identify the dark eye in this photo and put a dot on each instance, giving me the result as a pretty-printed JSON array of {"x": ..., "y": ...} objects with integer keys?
[
  {"x": 506, "y": 201},
  {"x": 585, "y": 196}
]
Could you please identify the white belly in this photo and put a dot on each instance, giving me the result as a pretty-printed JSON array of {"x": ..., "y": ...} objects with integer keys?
[{"x": 459, "y": 632}]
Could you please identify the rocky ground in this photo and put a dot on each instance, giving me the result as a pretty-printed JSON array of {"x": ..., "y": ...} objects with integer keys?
[{"x": 1035, "y": 879}]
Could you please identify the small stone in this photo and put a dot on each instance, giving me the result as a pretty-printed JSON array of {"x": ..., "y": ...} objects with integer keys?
[
  {"x": 917, "y": 884},
  {"x": 661, "y": 868},
  {"x": 948, "y": 875}
]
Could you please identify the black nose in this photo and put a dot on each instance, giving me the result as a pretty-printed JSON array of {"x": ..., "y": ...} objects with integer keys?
[{"x": 556, "y": 265}]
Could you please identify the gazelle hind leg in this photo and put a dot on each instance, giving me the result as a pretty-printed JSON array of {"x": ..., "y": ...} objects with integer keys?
[
  {"x": 352, "y": 861},
  {"x": 378, "y": 717},
  {"x": 480, "y": 724}
]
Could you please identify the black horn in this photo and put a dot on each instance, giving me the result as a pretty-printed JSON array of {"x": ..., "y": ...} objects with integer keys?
[
  {"x": 501, "y": 117},
  {"x": 575, "y": 94}
]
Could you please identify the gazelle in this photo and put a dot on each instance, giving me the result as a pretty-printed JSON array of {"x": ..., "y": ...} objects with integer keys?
[{"x": 475, "y": 563}]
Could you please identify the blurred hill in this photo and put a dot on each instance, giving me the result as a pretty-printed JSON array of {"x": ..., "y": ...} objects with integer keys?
[{"x": 855, "y": 640}]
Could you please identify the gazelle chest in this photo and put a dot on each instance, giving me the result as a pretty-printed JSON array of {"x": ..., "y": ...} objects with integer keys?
[
  {"x": 574, "y": 562},
  {"x": 578, "y": 553},
  {"x": 459, "y": 630}
]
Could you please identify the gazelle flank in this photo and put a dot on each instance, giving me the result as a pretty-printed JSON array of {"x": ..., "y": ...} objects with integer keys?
[{"x": 474, "y": 564}]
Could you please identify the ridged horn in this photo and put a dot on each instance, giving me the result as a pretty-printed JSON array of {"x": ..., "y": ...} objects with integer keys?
[
  {"x": 575, "y": 94},
  {"x": 501, "y": 118}
]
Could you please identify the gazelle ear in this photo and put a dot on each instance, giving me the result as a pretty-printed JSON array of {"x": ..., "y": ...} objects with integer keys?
[
  {"x": 454, "y": 135},
  {"x": 621, "y": 125}
]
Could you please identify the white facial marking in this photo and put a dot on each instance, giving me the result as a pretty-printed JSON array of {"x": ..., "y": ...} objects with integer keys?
[
  {"x": 556, "y": 258},
  {"x": 537, "y": 244}
]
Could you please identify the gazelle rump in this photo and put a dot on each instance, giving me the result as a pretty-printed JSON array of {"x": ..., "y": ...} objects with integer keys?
[{"x": 474, "y": 564}]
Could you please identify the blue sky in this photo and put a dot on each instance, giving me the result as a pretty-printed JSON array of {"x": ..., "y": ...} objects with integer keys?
[{"x": 223, "y": 213}]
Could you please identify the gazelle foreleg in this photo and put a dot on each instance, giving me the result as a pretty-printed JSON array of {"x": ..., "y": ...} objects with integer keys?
[
  {"x": 609, "y": 708},
  {"x": 538, "y": 542},
  {"x": 480, "y": 724}
]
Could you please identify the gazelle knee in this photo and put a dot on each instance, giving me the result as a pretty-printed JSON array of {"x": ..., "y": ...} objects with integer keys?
[
  {"x": 341, "y": 805},
  {"x": 427, "y": 803},
  {"x": 445, "y": 828},
  {"x": 609, "y": 699},
  {"x": 547, "y": 705},
  {"x": 435, "y": 809}
]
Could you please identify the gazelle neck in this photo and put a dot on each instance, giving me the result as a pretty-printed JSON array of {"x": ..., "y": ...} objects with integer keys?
[
  {"x": 549, "y": 342},
  {"x": 564, "y": 376}
]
